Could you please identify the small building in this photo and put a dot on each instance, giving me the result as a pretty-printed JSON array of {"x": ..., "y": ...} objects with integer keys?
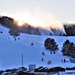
[{"x": 32, "y": 67}]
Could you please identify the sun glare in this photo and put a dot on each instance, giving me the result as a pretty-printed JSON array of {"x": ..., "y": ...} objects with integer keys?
[
  {"x": 26, "y": 18},
  {"x": 33, "y": 20},
  {"x": 30, "y": 19},
  {"x": 38, "y": 19},
  {"x": 20, "y": 23}
]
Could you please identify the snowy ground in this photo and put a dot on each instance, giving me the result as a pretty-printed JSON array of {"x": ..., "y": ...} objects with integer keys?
[
  {"x": 70, "y": 72},
  {"x": 11, "y": 51}
]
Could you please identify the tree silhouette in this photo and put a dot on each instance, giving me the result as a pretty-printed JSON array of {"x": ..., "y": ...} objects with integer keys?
[
  {"x": 68, "y": 48},
  {"x": 50, "y": 44}
]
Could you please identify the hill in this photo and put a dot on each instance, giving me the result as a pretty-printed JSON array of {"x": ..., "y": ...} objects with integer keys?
[{"x": 11, "y": 49}]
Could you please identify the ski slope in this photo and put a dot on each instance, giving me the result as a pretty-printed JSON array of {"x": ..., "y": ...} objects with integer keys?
[{"x": 11, "y": 50}]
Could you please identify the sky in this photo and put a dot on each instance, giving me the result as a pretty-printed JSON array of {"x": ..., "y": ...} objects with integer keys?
[{"x": 63, "y": 10}]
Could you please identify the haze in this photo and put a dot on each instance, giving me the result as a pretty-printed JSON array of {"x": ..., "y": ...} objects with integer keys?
[{"x": 63, "y": 10}]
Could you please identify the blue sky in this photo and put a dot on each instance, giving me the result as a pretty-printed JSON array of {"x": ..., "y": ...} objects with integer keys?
[{"x": 64, "y": 10}]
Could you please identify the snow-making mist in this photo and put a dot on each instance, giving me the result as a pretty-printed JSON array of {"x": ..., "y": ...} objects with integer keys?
[
  {"x": 46, "y": 23},
  {"x": 38, "y": 22}
]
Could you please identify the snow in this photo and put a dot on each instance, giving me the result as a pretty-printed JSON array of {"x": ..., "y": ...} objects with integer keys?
[{"x": 11, "y": 51}]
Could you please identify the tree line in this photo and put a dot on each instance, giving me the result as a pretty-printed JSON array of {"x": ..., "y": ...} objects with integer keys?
[{"x": 69, "y": 29}]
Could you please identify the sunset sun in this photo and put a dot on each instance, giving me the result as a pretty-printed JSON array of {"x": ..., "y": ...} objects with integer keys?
[{"x": 26, "y": 18}]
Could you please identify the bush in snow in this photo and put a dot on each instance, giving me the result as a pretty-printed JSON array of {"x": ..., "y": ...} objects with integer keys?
[
  {"x": 14, "y": 71},
  {"x": 1, "y": 72},
  {"x": 53, "y": 69},
  {"x": 70, "y": 68},
  {"x": 50, "y": 44}
]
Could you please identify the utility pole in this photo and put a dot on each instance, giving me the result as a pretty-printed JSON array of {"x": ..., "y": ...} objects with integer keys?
[{"x": 22, "y": 60}]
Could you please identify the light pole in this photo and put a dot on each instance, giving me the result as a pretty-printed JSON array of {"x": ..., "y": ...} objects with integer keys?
[{"x": 22, "y": 60}]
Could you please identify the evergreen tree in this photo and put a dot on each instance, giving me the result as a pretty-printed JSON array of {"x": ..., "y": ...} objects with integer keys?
[
  {"x": 65, "y": 47},
  {"x": 68, "y": 48},
  {"x": 50, "y": 44}
]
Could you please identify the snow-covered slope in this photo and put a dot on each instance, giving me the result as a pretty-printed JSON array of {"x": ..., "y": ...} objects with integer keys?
[{"x": 11, "y": 50}]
